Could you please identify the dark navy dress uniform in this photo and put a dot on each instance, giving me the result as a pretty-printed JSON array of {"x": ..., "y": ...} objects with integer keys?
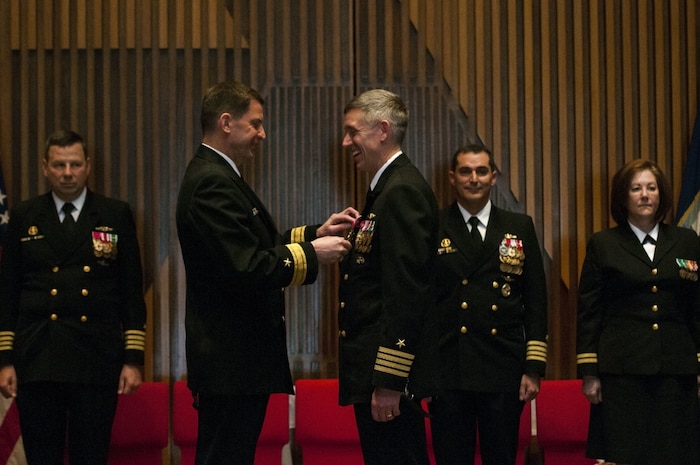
[
  {"x": 238, "y": 266},
  {"x": 72, "y": 313},
  {"x": 492, "y": 309},
  {"x": 639, "y": 332},
  {"x": 386, "y": 302}
]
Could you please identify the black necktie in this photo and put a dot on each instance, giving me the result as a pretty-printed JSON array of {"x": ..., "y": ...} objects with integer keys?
[
  {"x": 68, "y": 220},
  {"x": 649, "y": 240},
  {"x": 476, "y": 236}
]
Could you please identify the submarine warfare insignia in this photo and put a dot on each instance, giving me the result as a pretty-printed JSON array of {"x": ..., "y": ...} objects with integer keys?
[
  {"x": 512, "y": 256},
  {"x": 688, "y": 269},
  {"x": 104, "y": 243},
  {"x": 446, "y": 247}
]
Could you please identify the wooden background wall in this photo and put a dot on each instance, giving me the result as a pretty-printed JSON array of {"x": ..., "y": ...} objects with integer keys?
[{"x": 564, "y": 92}]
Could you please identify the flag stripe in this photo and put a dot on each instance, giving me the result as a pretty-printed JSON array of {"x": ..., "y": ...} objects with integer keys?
[{"x": 9, "y": 433}]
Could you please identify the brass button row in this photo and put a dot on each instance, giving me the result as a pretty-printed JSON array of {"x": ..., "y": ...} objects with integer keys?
[
  {"x": 464, "y": 330},
  {"x": 86, "y": 269},
  {"x": 84, "y": 292},
  {"x": 54, "y": 317}
]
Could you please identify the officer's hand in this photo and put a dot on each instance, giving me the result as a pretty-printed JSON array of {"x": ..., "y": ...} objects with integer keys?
[
  {"x": 592, "y": 389},
  {"x": 8, "y": 382},
  {"x": 385, "y": 404},
  {"x": 529, "y": 387},
  {"x": 338, "y": 224},
  {"x": 130, "y": 379},
  {"x": 330, "y": 249}
]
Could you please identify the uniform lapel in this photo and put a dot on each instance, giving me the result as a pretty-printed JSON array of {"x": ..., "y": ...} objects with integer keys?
[
  {"x": 664, "y": 244},
  {"x": 459, "y": 235},
  {"x": 259, "y": 208},
  {"x": 629, "y": 241},
  {"x": 87, "y": 219},
  {"x": 255, "y": 200},
  {"x": 50, "y": 225}
]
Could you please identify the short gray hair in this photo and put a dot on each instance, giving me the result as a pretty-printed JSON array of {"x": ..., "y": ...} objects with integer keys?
[{"x": 380, "y": 104}]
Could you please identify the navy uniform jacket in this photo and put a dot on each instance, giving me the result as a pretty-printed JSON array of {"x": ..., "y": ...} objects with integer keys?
[
  {"x": 492, "y": 303},
  {"x": 638, "y": 316},
  {"x": 237, "y": 267},
  {"x": 71, "y": 309},
  {"x": 386, "y": 287}
]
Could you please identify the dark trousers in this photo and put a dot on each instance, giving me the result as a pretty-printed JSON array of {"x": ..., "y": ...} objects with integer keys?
[
  {"x": 457, "y": 415},
  {"x": 49, "y": 411},
  {"x": 397, "y": 442},
  {"x": 645, "y": 419},
  {"x": 229, "y": 427}
]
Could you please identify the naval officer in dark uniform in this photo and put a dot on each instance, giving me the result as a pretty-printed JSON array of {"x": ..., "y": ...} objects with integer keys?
[
  {"x": 638, "y": 333},
  {"x": 492, "y": 308},
  {"x": 386, "y": 288},
  {"x": 237, "y": 266},
  {"x": 72, "y": 313}
]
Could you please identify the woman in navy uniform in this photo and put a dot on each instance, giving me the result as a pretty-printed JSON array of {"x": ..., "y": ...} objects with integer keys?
[{"x": 638, "y": 338}]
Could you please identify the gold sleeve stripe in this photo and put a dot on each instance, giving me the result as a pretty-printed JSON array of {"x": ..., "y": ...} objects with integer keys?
[
  {"x": 300, "y": 264},
  {"x": 298, "y": 234},
  {"x": 396, "y": 353},
  {"x": 587, "y": 357},
  {"x": 393, "y": 362},
  {"x": 402, "y": 374},
  {"x": 536, "y": 351},
  {"x": 135, "y": 339},
  {"x": 7, "y": 339}
]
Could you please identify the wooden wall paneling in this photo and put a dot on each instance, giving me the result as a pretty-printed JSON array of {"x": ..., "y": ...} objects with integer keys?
[
  {"x": 528, "y": 152},
  {"x": 678, "y": 98},
  {"x": 22, "y": 87},
  {"x": 645, "y": 71},
  {"x": 692, "y": 24},
  {"x": 598, "y": 93},
  {"x": 162, "y": 269},
  {"x": 89, "y": 84},
  {"x": 563, "y": 148},
  {"x": 679, "y": 109},
  {"x": 514, "y": 41},
  {"x": 6, "y": 107},
  {"x": 566, "y": 91},
  {"x": 142, "y": 161},
  {"x": 613, "y": 116},
  {"x": 106, "y": 104},
  {"x": 660, "y": 96}
]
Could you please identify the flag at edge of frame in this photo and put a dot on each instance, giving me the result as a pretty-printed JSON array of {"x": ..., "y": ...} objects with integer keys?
[
  {"x": 688, "y": 211},
  {"x": 11, "y": 447}
]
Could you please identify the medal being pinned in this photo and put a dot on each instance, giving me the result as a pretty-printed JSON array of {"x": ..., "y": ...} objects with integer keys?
[{"x": 362, "y": 232}]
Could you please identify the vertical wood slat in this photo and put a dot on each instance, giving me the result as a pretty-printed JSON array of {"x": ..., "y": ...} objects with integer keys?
[
  {"x": 513, "y": 102},
  {"x": 566, "y": 162},
  {"x": 5, "y": 96},
  {"x": 530, "y": 94},
  {"x": 598, "y": 94}
]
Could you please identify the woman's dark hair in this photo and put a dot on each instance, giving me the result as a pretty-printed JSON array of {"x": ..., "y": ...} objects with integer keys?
[{"x": 619, "y": 192}]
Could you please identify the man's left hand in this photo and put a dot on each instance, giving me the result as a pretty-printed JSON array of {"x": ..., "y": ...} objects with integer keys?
[
  {"x": 529, "y": 387},
  {"x": 130, "y": 379}
]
